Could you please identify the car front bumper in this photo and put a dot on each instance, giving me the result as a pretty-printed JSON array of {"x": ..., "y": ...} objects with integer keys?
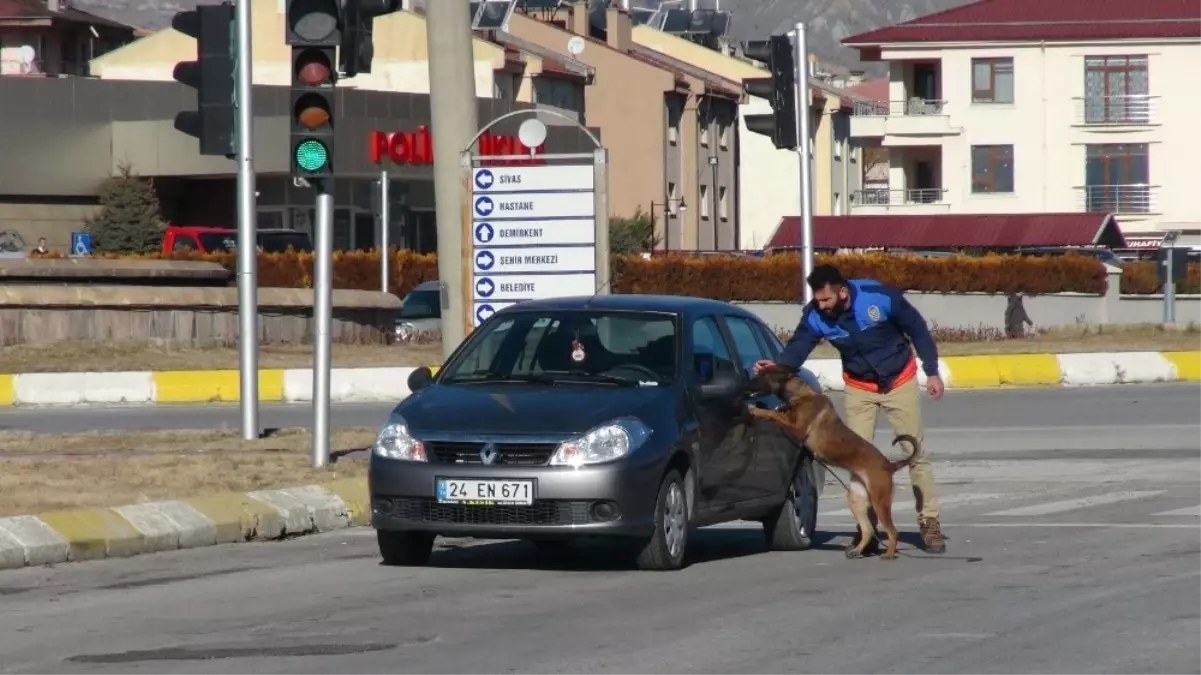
[{"x": 613, "y": 499}]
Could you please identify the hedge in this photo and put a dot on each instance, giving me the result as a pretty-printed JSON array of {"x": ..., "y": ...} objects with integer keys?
[{"x": 738, "y": 278}]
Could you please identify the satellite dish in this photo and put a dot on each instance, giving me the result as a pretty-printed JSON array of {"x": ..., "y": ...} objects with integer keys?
[
  {"x": 575, "y": 46},
  {"x": 532, "y": 133}
]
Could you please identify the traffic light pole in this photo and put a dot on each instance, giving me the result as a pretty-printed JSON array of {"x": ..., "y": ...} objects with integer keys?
[
  {"x": 385, "y": 215},
  {"x": 323, "y": 273},
  {"x": 248, "y": 311},
  {"x": 452, "y": 104},
  {"x": 804, "y": 148}
]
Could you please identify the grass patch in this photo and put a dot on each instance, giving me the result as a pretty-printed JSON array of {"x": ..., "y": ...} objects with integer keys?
[{"x": 44, "y": 472}]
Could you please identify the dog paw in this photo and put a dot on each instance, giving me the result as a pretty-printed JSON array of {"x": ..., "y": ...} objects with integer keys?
[
  {"x": 888, "y": 556},
  {"x": 852, "y": 552}
]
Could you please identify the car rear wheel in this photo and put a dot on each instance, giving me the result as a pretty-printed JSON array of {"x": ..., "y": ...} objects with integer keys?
[
  {"x": 666, "y": 548},
  {"x": 404, "y": 549},
  {"x": 791, "y": 526}
]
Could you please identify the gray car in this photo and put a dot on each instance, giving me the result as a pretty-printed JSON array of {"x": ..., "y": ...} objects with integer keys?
[{"x": 621, "y": 418}]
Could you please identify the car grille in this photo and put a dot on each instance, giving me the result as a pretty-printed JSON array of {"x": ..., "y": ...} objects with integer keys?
[
  {"x": 508, "y": 454},
  {"x": 428, "y": 510}
]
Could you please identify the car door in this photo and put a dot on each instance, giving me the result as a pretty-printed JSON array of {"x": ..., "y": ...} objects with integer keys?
[
  {"x": 721, "y": 452},
  {"x": 772, "y": 454},
  {"x": 775, "y": 346}
]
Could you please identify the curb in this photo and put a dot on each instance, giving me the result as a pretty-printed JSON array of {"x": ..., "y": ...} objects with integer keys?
[
  {"x": 123, "y": 531},
  {"x": 391, "y": 384}
]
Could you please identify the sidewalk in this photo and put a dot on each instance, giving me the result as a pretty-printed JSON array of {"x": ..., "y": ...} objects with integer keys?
[{"x": 391, "y": 384}]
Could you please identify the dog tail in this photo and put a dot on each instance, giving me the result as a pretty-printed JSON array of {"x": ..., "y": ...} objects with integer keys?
[{"x": 908, "y": 461}]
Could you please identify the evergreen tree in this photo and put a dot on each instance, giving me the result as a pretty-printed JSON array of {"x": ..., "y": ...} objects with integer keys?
[
  {"x": 632, "y": 235},
  {"x": 129, "y": 220}
]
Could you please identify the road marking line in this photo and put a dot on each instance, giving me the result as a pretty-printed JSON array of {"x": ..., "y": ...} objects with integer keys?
[
  {"x": 1186, "y": 511},
  {"x": 1118, "y": 526},
  {"x": 1073, "y": 504},
  {"x": 908, "y": 504}
]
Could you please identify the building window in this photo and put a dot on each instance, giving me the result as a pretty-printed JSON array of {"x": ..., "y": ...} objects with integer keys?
[
  {"x": 704, "y": 129},
  {"x": 1117, "y": 178},
  {"x": 723, "y": 135},
  {"x": 723, "y": 207},
  {"x": 705, "y": 202},
  {"x": 992, "y": 80},
  {"x": 671, "y": 199},
  {"x": 992, "y": 168},
  {"x": 837, "y": 204},
  {"x": 1116, "y": 89}
]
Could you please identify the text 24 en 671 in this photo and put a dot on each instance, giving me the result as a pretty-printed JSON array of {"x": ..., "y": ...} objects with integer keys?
[{"x": 467, "y": 490}]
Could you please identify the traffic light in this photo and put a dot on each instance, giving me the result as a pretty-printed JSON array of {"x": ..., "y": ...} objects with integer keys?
[
  {"x": 779, "y": 90},
  {"x": 313, "y": 29},
  {"x": 211, "y": 75},
  {"x": 357, "y": 47}
]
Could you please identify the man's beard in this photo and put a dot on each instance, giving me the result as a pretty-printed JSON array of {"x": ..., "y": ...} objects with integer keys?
[{"x": 837, "y": 309}]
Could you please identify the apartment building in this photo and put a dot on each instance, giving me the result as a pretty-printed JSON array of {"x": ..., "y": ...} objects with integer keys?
[
  {"x": 48, "y": 38},
  {"x": 1017, "y": 106}
]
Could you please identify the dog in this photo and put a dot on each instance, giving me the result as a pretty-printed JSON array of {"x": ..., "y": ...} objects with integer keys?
[{"x": 811, "y": 418}]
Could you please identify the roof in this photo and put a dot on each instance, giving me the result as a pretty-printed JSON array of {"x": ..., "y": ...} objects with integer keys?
[
  {"x": 953, "y": 231},
  {"x": 1055, "y": 20},
  {"x": 27, "y": 10},
  {"x": 713, "y": 82},
  {"x": 551, "y": 62},
  {"x": 872, "y": 90}
]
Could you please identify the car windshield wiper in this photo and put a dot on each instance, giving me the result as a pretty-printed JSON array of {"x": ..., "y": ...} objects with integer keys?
[
  {"x": 493, "y": 376},
  {"x": 589, "y": 378}
]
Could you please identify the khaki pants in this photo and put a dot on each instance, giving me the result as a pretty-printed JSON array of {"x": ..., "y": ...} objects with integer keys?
[{"x": 902, "y": 408}]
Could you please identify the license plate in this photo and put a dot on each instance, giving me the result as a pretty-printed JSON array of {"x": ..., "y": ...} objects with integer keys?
[{"x": 484, "y": 492}]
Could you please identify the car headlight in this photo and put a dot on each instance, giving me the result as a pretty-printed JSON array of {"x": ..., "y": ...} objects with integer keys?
[
  {"x": 405, "y": 330},
  {"x": 395, "y": 442},
  {"x": 603, "y": 444}
]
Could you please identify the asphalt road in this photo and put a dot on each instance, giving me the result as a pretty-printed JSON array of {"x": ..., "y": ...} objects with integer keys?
[
  {"x": 1104, "y": 420},
  {"x": 1059, "y": 560}
]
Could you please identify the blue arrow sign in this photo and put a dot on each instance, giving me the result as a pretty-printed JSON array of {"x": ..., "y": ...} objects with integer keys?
[
  {"x": 483, "y": 312},
  {"x": 483, "y": 206},
  {"x": 484, "y": 179},
  {"x": 484, "y": 260},
  {"x": 485, "y": 287},
  {"x": 484, "y": 233}
]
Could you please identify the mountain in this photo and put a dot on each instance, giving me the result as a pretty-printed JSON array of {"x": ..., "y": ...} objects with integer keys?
[{"x": 828, "y": 21}]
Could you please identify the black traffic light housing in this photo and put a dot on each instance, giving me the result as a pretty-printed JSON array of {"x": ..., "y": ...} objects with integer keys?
[
  {"x": 358, "y": 48},
  {"x": 779, "y": 90},
  {"x": 211, "y": 75},
  {"x": 314, "y": 29}
]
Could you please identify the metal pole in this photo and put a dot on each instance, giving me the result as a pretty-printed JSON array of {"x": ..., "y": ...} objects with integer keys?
[
  {"x": 323, "y": 278},
  {"x": 600, "y": 201},
  {"x": 1169, "y": 286},
  {"x": 248, "y": 311},
  {"x": 804, "y": 146},
  {"x": 384, "y": 219},
  {"x": 453, "y": 105}
]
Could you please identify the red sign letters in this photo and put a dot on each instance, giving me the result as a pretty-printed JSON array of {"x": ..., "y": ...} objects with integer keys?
[{"x": 417, "y": 148}]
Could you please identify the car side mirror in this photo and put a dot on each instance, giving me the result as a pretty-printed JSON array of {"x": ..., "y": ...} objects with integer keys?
[
  {"x": 722, "y": 385},
  {"x": 420, "y": 378}
]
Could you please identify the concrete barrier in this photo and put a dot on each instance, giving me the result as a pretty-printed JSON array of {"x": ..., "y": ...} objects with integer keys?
[{"x": 391, "y": 384}]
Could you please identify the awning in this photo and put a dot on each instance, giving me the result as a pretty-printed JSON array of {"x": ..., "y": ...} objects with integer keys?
[{"x": 951, "y": 231}]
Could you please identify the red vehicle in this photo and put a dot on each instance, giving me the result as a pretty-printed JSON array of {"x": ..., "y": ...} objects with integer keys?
[{"x": 205, "y": 239}]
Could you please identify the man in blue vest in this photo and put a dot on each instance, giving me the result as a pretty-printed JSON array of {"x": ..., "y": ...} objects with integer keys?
[{"x": 872, "y": 326}]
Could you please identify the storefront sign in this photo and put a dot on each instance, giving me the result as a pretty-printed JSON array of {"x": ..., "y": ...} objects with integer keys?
[{"x": 417, "y": 148}]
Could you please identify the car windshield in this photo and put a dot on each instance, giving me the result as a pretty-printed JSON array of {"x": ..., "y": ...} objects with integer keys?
[
  {"x": 421, "y": 305},
  {"x": 569, "y": 346}
]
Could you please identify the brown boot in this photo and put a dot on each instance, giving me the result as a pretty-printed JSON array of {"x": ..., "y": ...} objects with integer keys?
[{"x": 931, "y": 534}]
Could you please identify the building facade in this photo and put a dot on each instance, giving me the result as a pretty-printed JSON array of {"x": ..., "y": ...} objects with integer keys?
[
  {"x": 1073, "y": 106},
  {"x": 48, "y": 38}
]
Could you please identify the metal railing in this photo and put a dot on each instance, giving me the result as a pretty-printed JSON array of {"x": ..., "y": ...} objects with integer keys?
[
  {"x": 1118, "y": 198},
  {"x": 887, "y": 196},
  {"x": 913, "y": 106},
  {"x": 1131, "y": 109}
]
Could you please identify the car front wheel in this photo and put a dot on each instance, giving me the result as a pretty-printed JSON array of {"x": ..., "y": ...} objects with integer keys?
[
  {"x": 665, "y": 550},
  {"x": 791, "y": 527},
  {"x": 404, "y": 549}
]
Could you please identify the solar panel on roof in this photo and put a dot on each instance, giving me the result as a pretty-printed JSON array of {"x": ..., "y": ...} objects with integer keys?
[
  {"x": 473, "y": 8},
  {"x": 721, "y": 24},
  {"x": 493, "y": 15},
  {"x": 700, "y": 21},
  {"x": 676, "y": 21},
  {"x": 538, "y": 4}
]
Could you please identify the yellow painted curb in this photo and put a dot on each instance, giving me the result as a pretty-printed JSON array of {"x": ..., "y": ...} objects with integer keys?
[
  {"x": 236, "y": 517},
  {"x": 1188, "y": 365},
  {"x": 1027, "y": 369},
  {"x": 7, "y": 393},
  {"x": 271, "y": 385},
  {"x": 353, "y": 493},
  {"x": 92, "y": 534},
  {"x": 198, "y": 386},
  {"x": 972, "y": 372}
]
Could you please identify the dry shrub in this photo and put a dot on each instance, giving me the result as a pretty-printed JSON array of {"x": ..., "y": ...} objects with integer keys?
[{"x": 1142, "y": 278}]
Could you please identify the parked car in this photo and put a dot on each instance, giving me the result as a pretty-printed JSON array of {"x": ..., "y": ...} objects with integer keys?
[
  {"x": 420, "y": 311},
  {"x": 209, "y": 239},
  {"x": 618, "y": 417}
]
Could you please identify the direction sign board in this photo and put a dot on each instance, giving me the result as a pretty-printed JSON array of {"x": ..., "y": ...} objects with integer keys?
[
  {"x": 533, "y": 235},
  {"x": 532, "y": 179}
]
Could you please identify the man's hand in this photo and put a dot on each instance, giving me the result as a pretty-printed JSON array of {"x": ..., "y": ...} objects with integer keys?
[
  {"x": 934, "y": 386},
  {"x": 760, "y": 365}
]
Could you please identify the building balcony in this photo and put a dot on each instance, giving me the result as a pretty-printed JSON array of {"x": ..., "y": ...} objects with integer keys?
[
  {"x": 881, "y": 201},
  {"x": 1119, "y": 199},
  {"x": 1103, "y": 112},
  {"x": 910, "y": 122}
]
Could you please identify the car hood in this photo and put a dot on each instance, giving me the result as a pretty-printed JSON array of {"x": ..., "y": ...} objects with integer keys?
[{"x": 525, "y": 409}]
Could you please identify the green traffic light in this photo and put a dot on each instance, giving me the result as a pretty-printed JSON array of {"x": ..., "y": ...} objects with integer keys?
[{"x": 311, "y": 155}]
